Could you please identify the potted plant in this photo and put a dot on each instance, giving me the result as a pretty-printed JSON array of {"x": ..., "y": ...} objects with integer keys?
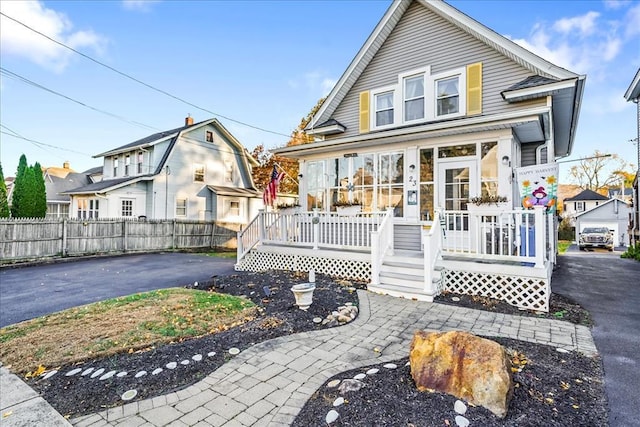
[
  {"x": 346, "y": 207},
  {"x": 288, "y": 208},
  {"x": 487, "y": 202}
]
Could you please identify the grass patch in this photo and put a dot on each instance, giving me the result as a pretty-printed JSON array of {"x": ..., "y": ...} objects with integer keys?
[
  {"x": 563, "y": 245},
  {"x": 124, "y": 324},
  {"x": 224, "y": 254}
]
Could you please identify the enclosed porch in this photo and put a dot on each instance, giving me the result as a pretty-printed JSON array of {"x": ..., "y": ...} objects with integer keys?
[{"x": 499, "y": 253}]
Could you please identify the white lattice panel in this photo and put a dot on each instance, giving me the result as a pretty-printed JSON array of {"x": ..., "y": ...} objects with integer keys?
[
  {"x": 523, "y": 292},
  {"x": 348, "y": 269}
]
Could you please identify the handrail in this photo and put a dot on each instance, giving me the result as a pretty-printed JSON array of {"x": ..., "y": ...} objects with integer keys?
[
  {"x": 381, "y": 241},
  {"x": 432, "y": 252}
]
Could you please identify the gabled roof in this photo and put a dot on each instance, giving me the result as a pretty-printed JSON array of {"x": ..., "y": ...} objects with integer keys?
[
  {"x": 587, "y": 195},
  {"x": 56, "y": 186},
  {"x": 531, "y": 81},
  {"x": 107, "y": 185},
  {"x": 600, "y": 206},
  {"x": 517, "y": 53},
  {"x": 633, "y": 93}
]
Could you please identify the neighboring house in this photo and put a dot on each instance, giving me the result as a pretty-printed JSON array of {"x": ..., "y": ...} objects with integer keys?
[
  {"x": 434, "y": 110},
  {"x": 584, "y": 201},
  {"x": 58, "y": 180},
  {"x": 198, "y": 171},
  {"x": 625, "y": 194},
  {"x": 633, "y": 94},
  {"x": 613, "y": 214}
]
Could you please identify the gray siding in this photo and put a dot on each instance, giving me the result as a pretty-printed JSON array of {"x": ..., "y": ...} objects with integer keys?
[
  {"x": 423, "y": 38},
  {"x": 529, "y": 154}
]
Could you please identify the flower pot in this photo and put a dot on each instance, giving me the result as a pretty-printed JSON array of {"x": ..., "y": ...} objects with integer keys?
[
  {"x": 303, "y": 294},
  {"x": 351, "y": 210}
]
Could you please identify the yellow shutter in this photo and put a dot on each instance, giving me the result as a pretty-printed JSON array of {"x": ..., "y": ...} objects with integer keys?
[
  {"x": 364, "y": 112},
  {"x": 474, "y": 88}
]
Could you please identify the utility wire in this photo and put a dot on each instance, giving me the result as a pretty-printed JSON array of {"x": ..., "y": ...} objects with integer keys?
[
  {"x": 23, "y": 79},
  {"x": 38, "y": 143},
  {"x": 140, "y": 81}
]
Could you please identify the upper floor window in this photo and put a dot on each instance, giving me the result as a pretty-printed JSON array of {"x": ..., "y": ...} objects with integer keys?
[
  {"x": 448, "y": 96},
  {"x": 384, "y": 108},
  {"x": 198, "y": 173},
  {"x": 414, "y": 98},
  {"x": 139, "y": 161},
  {"x": 579, "y": 206},
  {"x": 115, "y": 166},
  {"x": 228, "y": 171},
  {"x": 209, "y": 136},
  {"x": 127, "y": 165}
]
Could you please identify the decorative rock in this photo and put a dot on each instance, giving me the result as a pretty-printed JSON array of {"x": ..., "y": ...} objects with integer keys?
[
  {"x": 350, "y": 385},
  {"x": 86, "y": 372},
  {"x": 72, "y": 372},
  {"x": 49, "y": 374},
  {"x": 343, "y": 318},
  {"x": 156, "y": 371},
  {"x": 339, "y": 401},
  {"x": 460, "y": 407},
  {"x": 107, "y": 375},
  {"x": 185, "y": 362},
  {"x": 317, "y": 319},
  {"x": 198, "y": 357},
  {"x": 348, "y": 304},
  {"x": 333, "y": 383},
  {"x": 373, "y": 371},
  {"x": 462, "y": 421},
  {"x": 171, "y": 365},
  {"x": 129, "y": 394},
  {"x": 331, "y": 416},
  {"x": 211, "y": 353},
  {"x": 335, "y": 313},
  {"x": 121, "y": 374},
  {"x": 407, "y": 364},
  {"x": 141, "y": 374},
  {"x": 562, "y": 350},
  {"x": 468, "y": 367},
  {"x": 390, "y": 366},
  {"x": 233, "y": 351},
  {"x": 325, "y": 321},
  {"x": 360, "y": 377},
  {"x": 455, "y": 299},
  {"x": 97, "y": 373}
]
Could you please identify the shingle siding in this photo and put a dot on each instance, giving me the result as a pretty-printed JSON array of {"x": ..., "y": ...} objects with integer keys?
[{"x": 421, "y": 39}]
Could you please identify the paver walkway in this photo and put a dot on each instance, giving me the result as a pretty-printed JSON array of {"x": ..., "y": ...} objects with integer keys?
[{"x": 269, "y": 383}]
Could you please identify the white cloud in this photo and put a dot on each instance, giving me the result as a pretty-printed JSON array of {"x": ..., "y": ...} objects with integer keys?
[
  {"x": 327, "y": 85},
  {"x": 314, "y": 82},
  {"x": 18, "y": 40},
  {"x": 139, "y": 5},
  {"x": 585, "y": 24},
  {"x": 616, "y": 4},
  {"x": 632, "y": 21}
]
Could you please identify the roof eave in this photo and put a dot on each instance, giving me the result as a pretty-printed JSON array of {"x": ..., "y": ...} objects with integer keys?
[{"x": 633, "y": 92}]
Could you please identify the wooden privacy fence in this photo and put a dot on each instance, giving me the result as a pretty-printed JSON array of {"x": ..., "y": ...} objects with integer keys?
[{"x": 29, "y": 238}]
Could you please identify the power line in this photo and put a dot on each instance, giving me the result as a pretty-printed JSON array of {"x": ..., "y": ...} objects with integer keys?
[
  {"x": 23, "y": 79},
  {"x": 140, "y": 81},
  {"x": 38, "y": 143}
]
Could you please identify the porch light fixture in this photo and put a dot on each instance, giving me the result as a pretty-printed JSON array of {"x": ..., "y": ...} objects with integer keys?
[{"x": 506, "y": 161}]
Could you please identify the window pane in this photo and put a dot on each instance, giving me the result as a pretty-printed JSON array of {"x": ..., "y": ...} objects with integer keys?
[
  {"x": 384, "y": 101},
  {"x": 384, "y": 118},
  {"x": 414, "y": 109},
  {"x": 397, "y": 168},
  {"x": 426, "y": 202},
  {"x": 489, "y": 161},
  {"x": 448, "y": 87},
  {"x": 426, "y": 165},
  {"x": 457, "y": 151},
  {"x": 414, "y": 98},
  {"x": 447, "y": 95},
  {"x": 447, "y": 105},
  {"x": 363, "y": 170}
]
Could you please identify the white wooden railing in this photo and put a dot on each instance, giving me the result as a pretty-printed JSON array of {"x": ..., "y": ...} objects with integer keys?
[
  {"x": 502, "y": 235},
  {"x": 310, "y": 229},
  {"x": 381, "y": 244},
  {"x": 432, "y": 248}
]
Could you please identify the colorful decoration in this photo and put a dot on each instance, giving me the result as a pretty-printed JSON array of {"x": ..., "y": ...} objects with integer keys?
[{"x": 538, "y": 186}]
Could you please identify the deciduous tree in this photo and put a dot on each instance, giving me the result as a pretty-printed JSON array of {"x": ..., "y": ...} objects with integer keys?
[{"x": 599, "y": 171}]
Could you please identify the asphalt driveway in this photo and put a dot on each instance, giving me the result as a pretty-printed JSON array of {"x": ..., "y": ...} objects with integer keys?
[
  {"x": 33, "y": 291},
  {"x": 609, "y": 287}
]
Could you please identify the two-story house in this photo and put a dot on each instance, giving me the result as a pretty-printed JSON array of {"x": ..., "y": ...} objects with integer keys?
[
  {"x": 433, "y": 111},
  {"x": 582, "y": 202},
  {"x": 198, "y": 171},
  {"x": 633, "y": 94}
]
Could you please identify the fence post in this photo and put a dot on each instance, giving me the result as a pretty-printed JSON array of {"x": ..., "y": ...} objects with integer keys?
[
  {"x": 173, "y": 235},
  {"x": 375, "y": 263},
  {"x": 213, "y": 234},
  {"x": 316, "y": 229},
  {"x": 124, "y": 235},
  {"x": 539, "y": 236},
  {"x": 261, "y": 231},
  {"x": 390, "y": 230},
  {"x": 64, "y": 237}
]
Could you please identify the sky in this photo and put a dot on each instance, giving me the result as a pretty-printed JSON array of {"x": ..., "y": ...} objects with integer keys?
[{"x": 259, "y": 67}]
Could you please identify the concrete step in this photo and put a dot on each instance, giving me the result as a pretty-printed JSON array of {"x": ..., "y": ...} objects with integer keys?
[{"x": 398, "y": 290}]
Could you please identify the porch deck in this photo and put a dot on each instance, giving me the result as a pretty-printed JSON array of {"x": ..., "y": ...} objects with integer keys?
[{"x": 519, "y": 274}]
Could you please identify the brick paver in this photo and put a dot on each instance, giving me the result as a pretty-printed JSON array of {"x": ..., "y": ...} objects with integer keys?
[{"x": 269, "y": 383}]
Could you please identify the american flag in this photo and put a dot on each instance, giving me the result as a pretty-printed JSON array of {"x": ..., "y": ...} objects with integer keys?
[{"x": 269, "y": 195}]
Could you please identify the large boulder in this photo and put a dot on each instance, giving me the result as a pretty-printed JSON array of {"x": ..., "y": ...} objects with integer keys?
[{"x": 471, "y": 368}]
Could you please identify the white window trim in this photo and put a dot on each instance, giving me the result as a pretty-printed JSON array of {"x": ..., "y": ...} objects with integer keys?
[
  {"x": 396, "y": 110},
  {"x": 197, "y": 166},
  {"x": 133, "y": 207},
  {"x": 186, "y": 207},
  {"x": 461, "y": 73},
  {"x": 425, "y": 71}
]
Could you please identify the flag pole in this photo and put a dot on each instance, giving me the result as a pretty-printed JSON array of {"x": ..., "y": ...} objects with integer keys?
[{"x": 285, "y": 172}]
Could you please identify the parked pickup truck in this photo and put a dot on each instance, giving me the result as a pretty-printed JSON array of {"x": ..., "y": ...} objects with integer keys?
[{"x": 596, "y": 237}]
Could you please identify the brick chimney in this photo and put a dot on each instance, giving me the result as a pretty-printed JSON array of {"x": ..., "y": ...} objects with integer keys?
[
  {"x": 65, "y": 165},
  {"x": 188, "y": 121}
]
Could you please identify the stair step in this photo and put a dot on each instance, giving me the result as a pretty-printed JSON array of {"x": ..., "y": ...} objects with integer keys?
[{"x": 402, "y": 269}]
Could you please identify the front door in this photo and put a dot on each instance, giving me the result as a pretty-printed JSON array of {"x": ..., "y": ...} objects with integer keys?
[{"x": 455, "y": 181}]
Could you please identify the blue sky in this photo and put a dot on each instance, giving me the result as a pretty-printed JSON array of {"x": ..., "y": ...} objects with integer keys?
[{"x": 263, "y": 63}]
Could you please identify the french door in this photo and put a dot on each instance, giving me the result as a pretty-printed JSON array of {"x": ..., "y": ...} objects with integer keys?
[{"x": 455, "y": 182}]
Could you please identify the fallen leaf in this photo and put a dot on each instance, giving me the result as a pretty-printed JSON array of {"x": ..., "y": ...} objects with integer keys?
[{"x": 6, "y": 414}]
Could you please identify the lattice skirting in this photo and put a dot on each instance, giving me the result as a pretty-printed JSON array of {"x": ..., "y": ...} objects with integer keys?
[
  {"x": 524, "y": 292},
  {"x": 344, "y": 268}
]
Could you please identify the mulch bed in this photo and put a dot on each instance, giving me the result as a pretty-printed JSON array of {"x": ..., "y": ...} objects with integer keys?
[{"x": 390, "y": 398}]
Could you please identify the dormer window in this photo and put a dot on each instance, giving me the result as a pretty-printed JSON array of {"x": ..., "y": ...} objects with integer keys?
[
  {"x": 448, "y": 96},
  {"x": 127, "y": 164},
  {"x": 115, "y": 167},
  {"x": 384, "y": 111},
  {"x": 140, "y": 161},
  {"x": 209, "y": 136}
]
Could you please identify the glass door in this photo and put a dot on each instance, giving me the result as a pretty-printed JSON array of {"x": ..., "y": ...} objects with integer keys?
[{"x": 455, "y": 181}]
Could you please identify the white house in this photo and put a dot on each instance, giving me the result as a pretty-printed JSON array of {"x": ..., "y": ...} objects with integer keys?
[
  {"x": 434, "y": 110},
  {"x": 582, "y": 202},
  {"x": 198, "y": 171},
  {"x": 633, "y": 94}
]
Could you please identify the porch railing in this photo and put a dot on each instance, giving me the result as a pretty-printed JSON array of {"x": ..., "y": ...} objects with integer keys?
[
  {"x": 432, "y": 248},
  {"x": 381, "y": 242},
  {"x": 310, "y": 229},
  {"x": 502, "y": 235}
]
